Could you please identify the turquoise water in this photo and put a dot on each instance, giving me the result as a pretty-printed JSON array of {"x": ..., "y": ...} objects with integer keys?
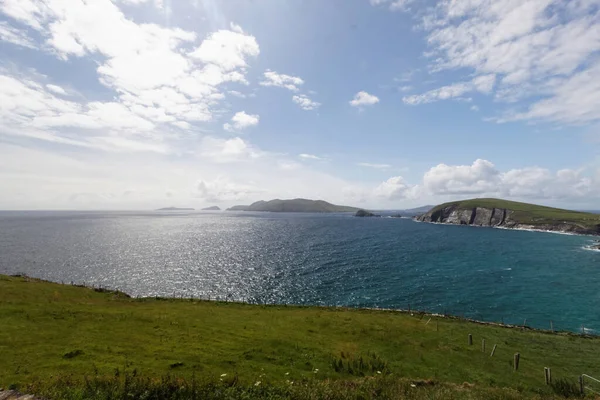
[{"x": 482, "y": 273}]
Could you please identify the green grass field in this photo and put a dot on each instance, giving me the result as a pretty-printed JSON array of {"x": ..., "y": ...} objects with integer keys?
[
  {"x": 530, "y": 213},
  {"x": 53, "y": 337}
]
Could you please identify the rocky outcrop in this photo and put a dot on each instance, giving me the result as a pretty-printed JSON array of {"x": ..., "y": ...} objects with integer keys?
[
  {"x": 14, "y": 395},
  {"x": 498, "y": 217},
  {"x": 365, "y": 213},
  {"x": 483, "y": 216}
]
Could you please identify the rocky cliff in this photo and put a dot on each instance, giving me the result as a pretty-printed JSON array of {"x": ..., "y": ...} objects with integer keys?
[{"x": 498, "y": 217}]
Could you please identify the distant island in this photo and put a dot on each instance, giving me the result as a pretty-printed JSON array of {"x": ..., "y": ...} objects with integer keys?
[
  {"x": 294, "y": 205},
  {"x": 365, "y": 213},
  {"x": 213, "y": 208},
  {"x": 175, "y": 209},
  {"x": 514, "y": 215}
]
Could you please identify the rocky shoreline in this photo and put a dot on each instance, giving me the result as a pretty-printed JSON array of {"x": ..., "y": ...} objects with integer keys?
[{"x": 500, "y": 218}]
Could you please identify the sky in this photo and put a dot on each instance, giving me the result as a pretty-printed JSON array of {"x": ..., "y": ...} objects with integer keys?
[{"x": 382, "y": 104}]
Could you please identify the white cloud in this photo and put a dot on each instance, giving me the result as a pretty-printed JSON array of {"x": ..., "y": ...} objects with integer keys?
[
  {"x": 376, "y": 166},
  {"x": 396, "y": 188},
  {"x": 482, "y": 178},
  {"x": 227, "y": 49},
  {"x": 309, "y": 156},
  {"x": 574, "y": 100},
  {"x": 227, "y": 150},
  {"x": 289, "y": 82},
  {"x": 305, "y": 102},
  {"x": 157, "y": 3},
  {"x": 483, "y": 84},
  {"x": 543, "y": 53},
  {"x": 150, "y": 67},
  {"x": 289, "y": 165},
  {"x": 363, "y": 98},
  {"x": 240, "y": 121},
  {"x": 475, "y": 108},
  {"x": 56, "y": 89},
  {"x": 222, "y": 189},
  {"x": 393, "y": 5},
  {"x": 163, "y": 79},
  {"x": 237, "y": 94},
  {"x": 15, "y": 36}
]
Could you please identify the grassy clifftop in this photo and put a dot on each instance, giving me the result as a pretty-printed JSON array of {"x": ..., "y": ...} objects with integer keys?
[
  {"x": 54, "y": 333},
  {"x": 526, "y": 213}
]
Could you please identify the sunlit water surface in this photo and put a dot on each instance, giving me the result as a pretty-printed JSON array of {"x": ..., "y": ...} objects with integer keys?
[{"x": 325, "y": 259}]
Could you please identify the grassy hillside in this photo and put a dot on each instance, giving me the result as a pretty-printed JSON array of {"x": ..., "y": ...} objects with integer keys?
[
  {"x": 530, "y": 213},
  {"x": 55, "y": 335},
  {"x": 295, "y": 205}
]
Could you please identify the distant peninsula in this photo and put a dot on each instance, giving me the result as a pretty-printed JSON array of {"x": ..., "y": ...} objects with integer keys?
[
  {"x": 513, "y": 215},
  {"x": 294, "y": 205},
  {"x": 175, "y": 209},
  {"x": 213, "y": 208}
]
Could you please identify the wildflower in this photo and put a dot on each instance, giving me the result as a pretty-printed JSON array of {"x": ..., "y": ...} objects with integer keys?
[
  {"x": 287, "y": 373},
  {"x": 316, "y": 370},
  {"x": 223, "y": 375},
  {"x": 379, "y": 372},
  {"x": 257, "y": 383},
  {"x": 413, "y": 385}
]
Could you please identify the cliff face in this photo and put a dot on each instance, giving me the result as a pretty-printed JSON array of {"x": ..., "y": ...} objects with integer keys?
[{"x": 497, "y": 217}]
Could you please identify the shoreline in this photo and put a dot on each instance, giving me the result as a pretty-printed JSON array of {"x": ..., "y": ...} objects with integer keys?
[
  {"x": 421, "y": 313},
  {"x": 511, "y": 229}
]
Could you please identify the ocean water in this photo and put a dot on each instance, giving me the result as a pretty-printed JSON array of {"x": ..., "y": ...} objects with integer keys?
[{"x": 324, "y": 259}]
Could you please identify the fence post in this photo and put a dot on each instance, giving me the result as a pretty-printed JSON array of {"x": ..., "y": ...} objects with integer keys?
[
  {"x": 493, "y": 350},
  {"x": 516, "y": 361},
  {"x": 546, "y": 375},
  {"x": 549, "y": 375},
  {"x": 470, "y": 339},
  {"x": 551, "y": 326},
  {"x": 483, "y": 345},
  {"x": 581, "y": 384}
]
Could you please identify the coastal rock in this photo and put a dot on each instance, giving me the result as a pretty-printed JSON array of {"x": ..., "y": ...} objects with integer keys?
[
  {"x": 483, "y": 216},
  {"x": 365, "y": 213},
  {"x": 508, "y": 220},
  {"x": 500, "y": 217},
  {"x": 460, "y": 217},
  {"x": 497, "y": 218}
]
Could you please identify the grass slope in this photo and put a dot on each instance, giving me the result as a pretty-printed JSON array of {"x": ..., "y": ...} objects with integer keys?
[
  {"x": 49, "y": 330},
  {"x": 529, "y": 213}
]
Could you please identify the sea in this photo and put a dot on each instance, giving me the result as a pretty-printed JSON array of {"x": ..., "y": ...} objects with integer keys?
[{"x": 496, "y": 275}]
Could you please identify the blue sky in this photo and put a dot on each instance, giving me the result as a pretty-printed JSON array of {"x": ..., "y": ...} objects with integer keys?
[{"x": 131, "y": 104}]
